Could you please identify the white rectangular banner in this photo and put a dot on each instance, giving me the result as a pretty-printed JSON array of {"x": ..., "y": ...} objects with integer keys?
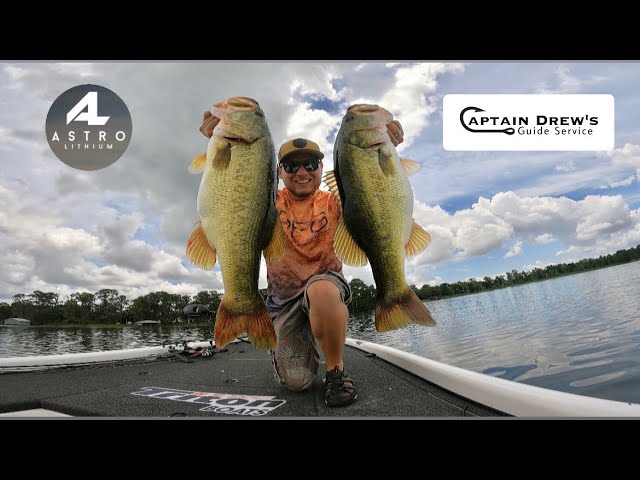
[{"x": 528, "y": 122}]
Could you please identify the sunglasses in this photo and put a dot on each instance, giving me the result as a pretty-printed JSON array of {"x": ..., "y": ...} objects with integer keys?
[{"x": 310, "y": 166}]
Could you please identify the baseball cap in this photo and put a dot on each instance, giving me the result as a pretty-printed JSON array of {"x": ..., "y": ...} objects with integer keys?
[{"x": 299, "y": 145}]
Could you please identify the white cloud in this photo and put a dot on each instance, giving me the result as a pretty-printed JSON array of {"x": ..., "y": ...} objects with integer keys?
[
  {"x": 627, "y": 156},
  {"x": 39, "y": 251},
  {"x": 313, "y": 124},
  {"x": 537, "y": 264},
  {"x": 515, "y": 250},
  {"x": 568, "y": 166},
  {"x": 589, "y": 174},
  {"x": 7, "y": 140},
  {"x": 14, "y": 74},
  {"x": 11, "y": 139},
  {"x": 592, "y": 225},
  {"x": 316, "y": 80},
  {"x": 571, "y": 221},
  {"x": 543, "y": 239},
  {"x": 563, "y": 81},
  {"x": 622, "y": 183},
  {"x": 409, "y": 95},
  {"x": 601, "y": 216},
  {"x": 467, "y": 233},
  {"x": 82, "y": 70},
  {"x": 412, "y": 98},
  {"x": 530, "y": 174},
  {"x": 363, "y": 273}
]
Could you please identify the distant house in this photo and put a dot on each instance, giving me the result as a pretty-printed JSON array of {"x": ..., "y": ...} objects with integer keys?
[
  {"x": 17, "y": 321},
  {"x": 142, "y": 323}
]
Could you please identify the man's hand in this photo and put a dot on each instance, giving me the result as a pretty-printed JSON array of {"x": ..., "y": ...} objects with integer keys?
[
  {"x": 209, "y": 122},
  {"x": 394, "y": 129}
]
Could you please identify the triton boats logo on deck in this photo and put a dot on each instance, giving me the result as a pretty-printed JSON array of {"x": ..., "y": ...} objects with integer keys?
[
  {"x": 88, "y": 127},
  {"x": 226, "y": 403},
  {"x": 528, "y": 122}
]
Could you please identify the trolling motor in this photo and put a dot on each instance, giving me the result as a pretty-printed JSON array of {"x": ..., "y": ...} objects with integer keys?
[
  {"x": 187, "y": 353},
  {"x": 193, "y": 310}
]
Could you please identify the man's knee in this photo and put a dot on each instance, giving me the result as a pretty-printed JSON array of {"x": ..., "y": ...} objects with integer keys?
[
  {"x": 323, "y": 291},
  {"x": 295, "y": 379},
  {"x": 296, "y": 376},
  {"x": 297, "y": 384}
]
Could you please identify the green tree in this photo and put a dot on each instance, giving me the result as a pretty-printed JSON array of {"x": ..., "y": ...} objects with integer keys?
[
  {"x": 5, "y": 311},
  {"x": 86, "y": 306},
  {"x": 363, "y": 297},
  {"x": 44, "y": 304},
  {"x": 105, "y": 308}
]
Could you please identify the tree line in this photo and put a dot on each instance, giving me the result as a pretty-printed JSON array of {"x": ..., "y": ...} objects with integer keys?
[
  {"x": 514, "y": 277},
  {"x": 107, "y": 306}
]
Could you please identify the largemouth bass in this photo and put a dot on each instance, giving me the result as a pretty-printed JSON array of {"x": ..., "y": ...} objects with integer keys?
[
  {"x": 238, "y": 217},
  {"x": 377, "y": 213}
]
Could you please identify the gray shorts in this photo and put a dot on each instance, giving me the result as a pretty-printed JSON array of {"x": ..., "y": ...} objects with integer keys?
[{"x": 296, "y": 357}]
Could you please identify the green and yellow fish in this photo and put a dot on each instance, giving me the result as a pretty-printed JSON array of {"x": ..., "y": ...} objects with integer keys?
[
  {"x": 238, "y": 217},
  {"x": 377, "y": 213}
]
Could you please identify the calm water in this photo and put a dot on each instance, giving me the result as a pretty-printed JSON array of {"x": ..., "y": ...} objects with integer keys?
[{"x": 577, "y": 334}]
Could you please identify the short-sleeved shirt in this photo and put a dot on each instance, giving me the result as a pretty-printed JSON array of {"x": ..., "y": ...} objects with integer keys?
[{"x": 309, "y": 226}]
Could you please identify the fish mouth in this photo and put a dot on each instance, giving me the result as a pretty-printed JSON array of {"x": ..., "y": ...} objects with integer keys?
[
  {"x": 369, "y": 138},
  {"x": 236, "y": 133},
  {"x": 234, "y": 139},
  {"x": 363, "y": 108},
  {"x": 374, "y": 145},
  {"x": 242, "y": 102},
  {"x": 237, "y": 103}
]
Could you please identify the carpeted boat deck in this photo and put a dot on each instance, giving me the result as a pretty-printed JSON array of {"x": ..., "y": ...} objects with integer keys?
[{"x": 236, "y": 382}]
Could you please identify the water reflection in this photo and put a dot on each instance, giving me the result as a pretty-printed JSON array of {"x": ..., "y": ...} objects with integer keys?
[
  {"x": 577, "y": 333},
  {"x": 25, "y": 341}
]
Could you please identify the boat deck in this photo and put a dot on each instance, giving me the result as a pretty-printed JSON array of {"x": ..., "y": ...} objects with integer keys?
[{"x": 235, "y": 382}]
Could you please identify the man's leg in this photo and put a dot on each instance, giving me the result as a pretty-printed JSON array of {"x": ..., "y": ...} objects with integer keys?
[
  {"x": 328, "y": 317},
  {"x": 295, "y": 358},
  {"x": 325, "y": 302}
]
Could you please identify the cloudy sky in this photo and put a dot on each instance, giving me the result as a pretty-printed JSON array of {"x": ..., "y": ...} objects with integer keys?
[{"x": 125, "y": 227}]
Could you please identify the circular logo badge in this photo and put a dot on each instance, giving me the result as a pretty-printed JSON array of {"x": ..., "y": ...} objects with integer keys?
[{"x": 88, "y": 127}]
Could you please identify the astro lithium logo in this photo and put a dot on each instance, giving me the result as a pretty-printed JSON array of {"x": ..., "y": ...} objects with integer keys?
[
  {"x": 528, "y": 122},
  {"x": 90, "y": 101},
  {"x": 88, "y": 127}
]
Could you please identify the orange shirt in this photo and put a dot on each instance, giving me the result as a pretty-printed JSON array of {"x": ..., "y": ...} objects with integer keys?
[{"x": 309, "y": 226}]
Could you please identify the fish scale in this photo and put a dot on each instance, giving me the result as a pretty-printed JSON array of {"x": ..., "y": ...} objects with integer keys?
[
  {"x": 229, "y": 223},
  {"x": 377, "y": 201},
  {"x": 238, "y": 218},
  {"x": 368, "y": 215}
]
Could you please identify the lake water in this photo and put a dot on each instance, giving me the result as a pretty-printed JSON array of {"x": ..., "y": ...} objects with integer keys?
[{"x": 578, "y": 334}]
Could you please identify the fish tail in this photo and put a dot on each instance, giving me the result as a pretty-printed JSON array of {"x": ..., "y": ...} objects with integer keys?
[
  {"x": 402, "y": 311},
  {"x": 254, "y": 320}
]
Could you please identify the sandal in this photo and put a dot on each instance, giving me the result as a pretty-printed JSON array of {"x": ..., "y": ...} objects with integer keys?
[{"x": 338, "y": 388}]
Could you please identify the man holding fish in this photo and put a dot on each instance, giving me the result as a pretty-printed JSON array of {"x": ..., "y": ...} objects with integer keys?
[{"x": 307, "y": 296}]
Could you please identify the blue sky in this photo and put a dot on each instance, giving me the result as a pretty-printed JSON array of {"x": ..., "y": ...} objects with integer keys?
[{"x": 125, "y": 227}]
